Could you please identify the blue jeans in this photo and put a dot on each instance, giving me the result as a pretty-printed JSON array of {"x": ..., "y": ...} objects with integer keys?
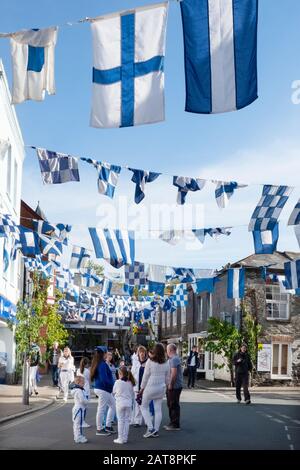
[{"x": 54, "y": 371}]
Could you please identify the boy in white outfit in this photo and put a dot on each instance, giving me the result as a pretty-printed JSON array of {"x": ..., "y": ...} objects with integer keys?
[
  {"x": 78, "y": 409},
  {"x": 124, "y": 395}
]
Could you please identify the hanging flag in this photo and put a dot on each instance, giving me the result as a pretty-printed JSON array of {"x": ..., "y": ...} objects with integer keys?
[
  {"x": 217, "y": 231},
  {"x": 135, "y": 274},
  {"x": 57, "y": 168},
  {"x": 108, "y": 176},
  {"x": 224, "y": 191},
  {"x": 90, "y": 280},
  {"x": 8, "y": 226},
  {"x": 33, "y": 64},
  {"x": 220, "y": 38},
  {"x": 206, "y": 285},
  {"x": 43, "y": 227},
  {"x": 295, "y": 215},
  {"x": 297, "y": 233},
  {"x": 186, "y": 184},
  {"x": 235, "y": 283},
  {"x": 80, "y": 257},
  {"x": 173, "y": 237},
  {"x": 167, "y": 305},
  {"x": 181, "y": 295},
  {"x": 268, "y": 210},
  {"x": 292, "y": 274},
  {"x": 28, "y": 242},
  {"x": 128, "y": 71},
  {"x": 183, "y": 274},
  {"x": 265, "y": 242},
  {"x": 50, "y": 246},
  {"x": 115, "y": 246},
  {"x": 64, "y": 231},
  {"x": 140, "y": 178}
]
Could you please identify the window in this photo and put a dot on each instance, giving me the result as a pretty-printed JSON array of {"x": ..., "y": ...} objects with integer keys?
[
  {"x": 183, "y": 315},
  {"x": 204, "y": 307},
  {"x": 200, "y": 307},
  {"x": 277, "y": 303},
  {"x": 168, "y": 319},
  {"x": 175, "y": 318},
  {"x": 211, "y": 360},
  {"x": 280, "y": 360}
]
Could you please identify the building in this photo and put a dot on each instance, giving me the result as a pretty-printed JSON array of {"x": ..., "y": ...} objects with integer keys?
[
  {"x": 277, "y": 312},
  {"x": 11, "y": 163}
]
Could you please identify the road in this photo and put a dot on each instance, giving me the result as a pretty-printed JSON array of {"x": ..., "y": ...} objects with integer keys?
[{"x": 210, "y": 420}]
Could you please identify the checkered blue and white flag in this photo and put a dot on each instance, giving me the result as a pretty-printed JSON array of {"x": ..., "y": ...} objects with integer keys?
[
  {"x": 236, "y": 283},
  {"x": 128, "y": 67},
  {"x": 181, "y": 295},
  {"x": 224, "y": 191},
  {"x": 57, "y": 168},
  {"x": 186, "y": 184},
  {"x": 80, "y": 257},
  {"x": 140, "y": 178},
  {"x": 108, "y": 176},
  {"x": 292, "y": 274},
  {"x": 295, "y": 215},
  {"x": 269, "y": 207},
  {"x": 8, "y": 226},
  {"x": 115, "y": 246},
  {"x": 135, "y": 274}
]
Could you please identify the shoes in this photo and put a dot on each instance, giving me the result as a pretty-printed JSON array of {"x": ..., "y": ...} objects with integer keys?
[
  {"x": 155, "y": 434},
  {"x": 171, "y": 428},
  {"x": 118, "y": 441},
  {"x": 151, "y": 433},
  {"x": 86, "y": 425},
  {"x": 238, "y": 401},
  {"x": 110, "y": 430},
  {"x": 102, "y": 432},
  {"x": 248, "y": 402},
  {"x": 81, "y": 440}
]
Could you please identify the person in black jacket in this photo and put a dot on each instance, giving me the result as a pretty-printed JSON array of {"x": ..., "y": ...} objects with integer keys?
[
  {"x": 243, "y": 366},
  {"x": 193, "y": 364},
  {"x": 34, "y": 360}
]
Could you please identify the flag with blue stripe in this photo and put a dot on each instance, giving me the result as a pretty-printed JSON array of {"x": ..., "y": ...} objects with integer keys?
[
  {"x": 292, "y": 274},
  {"x": 80, "y": 257},
  {"x": 117, "y": 247},
  {"x": 224, "y": 191},
  {"x": 265, "y": 242},
  {"x": 140, "y": 178},
  {"x": 29, "y": 242},
  {"x": 236, "y": 283},
  {"x": 220, "y": 39},
  {"x": 295, "y": 215},
  {"x": 128, "y": 67}
]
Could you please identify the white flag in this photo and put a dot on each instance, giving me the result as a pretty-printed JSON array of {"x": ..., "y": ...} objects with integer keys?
[
  {"x": 128, "y": 67},
  {"x": 33, "y": 64}
]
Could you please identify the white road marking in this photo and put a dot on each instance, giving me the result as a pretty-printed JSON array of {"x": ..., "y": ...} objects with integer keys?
[
  {"x": 292, "y": 447},
  {"x": 285, "y": 428},
  {"x": 288, "y": 436}
]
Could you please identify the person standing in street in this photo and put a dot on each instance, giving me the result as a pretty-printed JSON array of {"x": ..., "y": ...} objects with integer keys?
[
  {"x": 243, "y": 366},
  {"x": 55, "y": 354},
  {"x": 174, "y": 388},
  {"x": 193, "y": 364},
  {"x": 78, "y": 410},
  {"x": 124, "y": 394},
  {"x": 66, "y": 371},
  {"x": 138, "y": 370},
  {"x": 34, "y": 360}
]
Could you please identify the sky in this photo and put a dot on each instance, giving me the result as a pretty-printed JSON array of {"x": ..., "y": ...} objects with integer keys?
[{"x": 259, "y": 144}]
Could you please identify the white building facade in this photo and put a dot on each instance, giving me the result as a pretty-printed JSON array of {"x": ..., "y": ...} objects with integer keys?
[{"x": 11, "y": 163}]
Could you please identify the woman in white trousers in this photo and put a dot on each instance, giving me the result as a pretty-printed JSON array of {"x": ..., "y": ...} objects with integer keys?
[
  {"x": 137, "y": 370},
  {"x": 66, "y": 368}
]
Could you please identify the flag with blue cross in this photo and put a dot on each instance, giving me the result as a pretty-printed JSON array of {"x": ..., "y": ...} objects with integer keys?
[
  {"x": 128, "y": 67},
  {"x": 80, "y": 257}
]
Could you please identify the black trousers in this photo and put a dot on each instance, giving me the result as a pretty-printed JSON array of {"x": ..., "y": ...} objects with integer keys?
[
  {"x": 173, "y": 397},
  {"x": 242, "y": 380},
  {"x": 192, "y": 370}
]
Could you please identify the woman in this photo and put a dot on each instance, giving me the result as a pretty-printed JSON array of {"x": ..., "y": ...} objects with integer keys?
[
  {"x": 138, "y": 369},
  {"x": 66, "y": 371},
  {"x": 102, "y": 376},
  {"x": 111, "y": 364},
  {"x": 155, "y": 380}
]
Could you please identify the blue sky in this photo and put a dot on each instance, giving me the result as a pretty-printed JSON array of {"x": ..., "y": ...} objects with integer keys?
[{"x": 259, "y": 144}]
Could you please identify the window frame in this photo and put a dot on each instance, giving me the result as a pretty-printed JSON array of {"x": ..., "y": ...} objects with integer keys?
[
  {"x": 277, "y": 302},
  {"x": 288, "y": 375}
]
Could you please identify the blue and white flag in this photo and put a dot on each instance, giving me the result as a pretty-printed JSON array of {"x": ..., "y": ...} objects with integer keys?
[
  {"x": 183, "y": 274},
  {"x": 297, "y": 233},
  {"x": 140, "y": 178},
  {"x": 128, "y": 67},
  {"x": 168, "y": 305},
  {"x": 80, "y": 257},
  {"x": 216, "y": 232},
  {"x": 292, "y": 274},
  {"x": 33, "y": 64},
  {"x": 181, "y": 295},
  {"x": 269, "y": 208},
  {"x": 295, "y": 215},
  {"x": 8, "y": 226},
  {"x": 57, "y": 168},
  {"x": 90, "y": 280},
  {"x": 156, "y": 287},
  {"x": 135, "y": 274},
  {"x": 186, "y": 184},
  {"x": 108, "y": 176},
  {"x": 220, "y": 38},
  {"x": 265, "y": 242},
  {"x": 224, "y": 191},
  {"x": 107, "y": 287},
  {"x": 29, "y": 242},
  {"x": 236, "y": 283},
  {"x": 50, "y": 246},
  {"x": 117, "y": 247}
]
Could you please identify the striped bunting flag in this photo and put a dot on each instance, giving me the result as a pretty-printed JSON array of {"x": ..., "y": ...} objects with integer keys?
[
  {"x": 117, "y": 247},
  {"x": 292, "y": 274},
  {"x": 236, "y": 283}
]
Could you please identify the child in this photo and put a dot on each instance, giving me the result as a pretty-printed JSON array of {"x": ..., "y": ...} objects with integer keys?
[
  {"x": 78, "y": 410},
  {"x": 124, "y": 395},
  {"x": 84, "y": 372}
]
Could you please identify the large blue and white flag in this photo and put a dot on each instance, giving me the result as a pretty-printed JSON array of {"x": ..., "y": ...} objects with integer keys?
[
  {"x": 128, "y": 67},
  {"x": 135, "y": 274},
  {"x": 269, "y": 208},
  {"x": 186, "y": 184},
  {"x": 28, "y": 242},
  {"x": 80, "y": 257},
  {"x": 220, "y": 38},
  {"x": 50, "y": 246},
  {"x": 295, "y": 215},
  {"x": 8, "y": 226},
  {"x": 115, "y": 246},
  {"x": 33, "y": 64},
  {"x": 57, "y": 168},
  {"x": 181, "y": 295},
  {"x": 265, "y": 242},
  {"x": 59, "y": 231},
  {"x": 108, "y": 176},
  {"x": 224, "y": 190},
  {"x": 140, "y": 178},
  {"x": 183, "y": 274},
  {"x": 292, "y": 274},
  {"x": 236, "y": 283}
]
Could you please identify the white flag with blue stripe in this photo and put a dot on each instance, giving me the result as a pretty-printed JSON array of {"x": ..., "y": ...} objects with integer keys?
[
  {"x": 220, "y": 38},
  {"x": 235, "y": 283},
  {"x": 128, "y": 67},
  {"x": 265, "y": 241},
  {"x": 80, "y": 257},
  {"x": 292, "y": 274},
  {"x": 115, "y": 246}
]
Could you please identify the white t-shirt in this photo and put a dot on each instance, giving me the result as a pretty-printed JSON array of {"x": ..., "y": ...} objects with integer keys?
[
  {"x": 193, "y": 361},
  {"x": 66, "y": 363},
  {"x": 123, "y": 392}
]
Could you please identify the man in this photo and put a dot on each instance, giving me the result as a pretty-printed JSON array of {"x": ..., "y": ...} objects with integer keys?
[
  {"x": 55, "y": 354},
  {"x": 34, "y": 360},
  {"x": 193, "y": 364},
  {"x": 243, "y": 366},
  {"x": 174, "y": 388}
]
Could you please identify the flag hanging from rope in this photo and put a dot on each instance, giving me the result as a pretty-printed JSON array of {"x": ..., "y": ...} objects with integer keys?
[
  {"x": 57, "y": 168},
  {"x": 295, "y": 215},
  {"x": 292, "y": 274},
  {"x": 186, "y": 184},
  {"x": 135, "y": 274},
  {"x": 140, "y": 178},
  {"x": 181, "y": 295},
  {"x": 235, "y": 283},
  {"x": 80, "y": 257},
  {"x": 265, "y": 241},
  {"x": 115, "y": 246},
  {"x": 108, "y": 176},
  {"x": 128, "y": 67},
  {"x": 269, "y": 208},
  {"x": 220, "y": 39},
  {"x": 224, "y": 191}
]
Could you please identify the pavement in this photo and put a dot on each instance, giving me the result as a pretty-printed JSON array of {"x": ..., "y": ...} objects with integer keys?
[{"x": 210, "y": 419}]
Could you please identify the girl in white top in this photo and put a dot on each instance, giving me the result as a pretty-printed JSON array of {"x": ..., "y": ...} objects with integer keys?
[
  {"x": 84, "y": 371},
  {"x": 124, "y": 394},
  {"x": 67, "y": 368},
  {"x": 155, "y": 380},
  {"x": 78, "y": 410}
]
